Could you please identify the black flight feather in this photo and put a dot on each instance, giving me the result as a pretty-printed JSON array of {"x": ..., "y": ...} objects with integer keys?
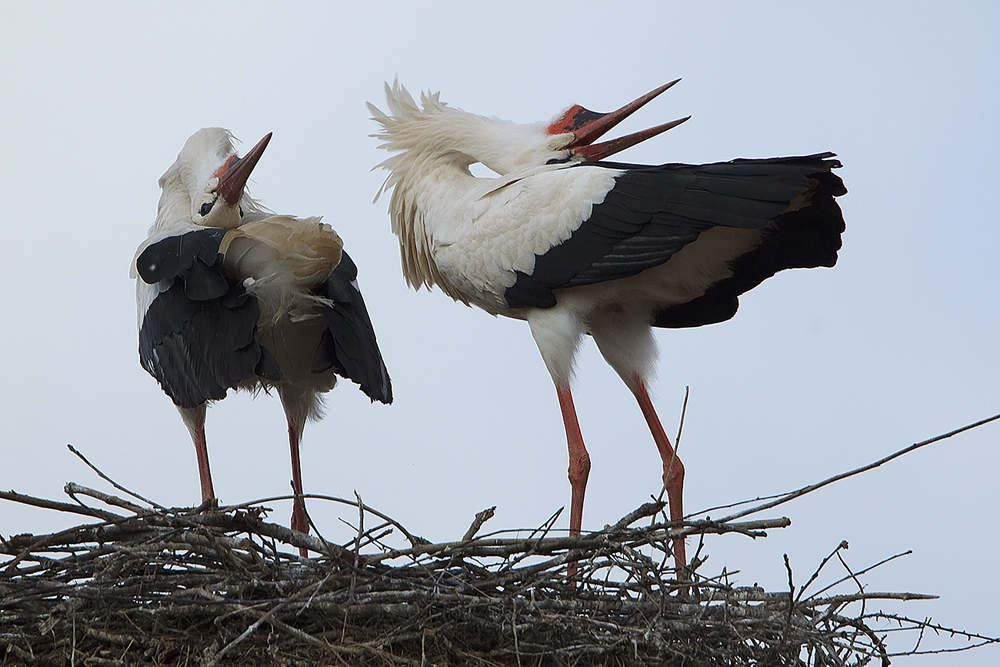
[
  {"x": 652, "y": 212},
  {"x": 348, "y": 345}
]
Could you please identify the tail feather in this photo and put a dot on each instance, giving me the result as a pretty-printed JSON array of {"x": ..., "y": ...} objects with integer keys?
[{"x": 806, "y": 235}]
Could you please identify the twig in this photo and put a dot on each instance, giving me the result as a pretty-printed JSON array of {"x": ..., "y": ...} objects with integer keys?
[
  {"x": 263, "y": 618},
  {"x": 836, "y": 478},
  {"x": 413, "y": 539},
  {"x": 864, "y": 571},
  {"x": 72, "y": 488},
  {"x": 477, "y": 523},
  {"x": 509, "y": 546},
  {"x": 357, "y": 546},
  {"x": 855, "y": 597},
  {"x": 854, "y": 578},
  {"x": 544, "y": 529},
  {"x": 738, "y": 503},
  {"x": 315, "y": 528},
  {"x": 644, "y": 510},
  {"x": 843, "y": 545},
  {"x": 926, "y": 624},
  {"x": 113, "y": 482},
  {"x": 677, "y": 443},
  {"x": 62, "y": 507},
  {"x": 684, "y": 407}
]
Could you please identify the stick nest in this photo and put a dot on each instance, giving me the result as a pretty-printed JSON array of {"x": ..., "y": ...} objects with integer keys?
[{"x": 188, "y": 587}]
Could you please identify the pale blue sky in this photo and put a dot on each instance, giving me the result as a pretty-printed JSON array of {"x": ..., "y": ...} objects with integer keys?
[{"x": 820, "y": 371}]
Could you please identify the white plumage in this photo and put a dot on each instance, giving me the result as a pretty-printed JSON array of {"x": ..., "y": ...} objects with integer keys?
[
  {"x": 579, "y": 246},
  {"x": 232, "y": 296}
]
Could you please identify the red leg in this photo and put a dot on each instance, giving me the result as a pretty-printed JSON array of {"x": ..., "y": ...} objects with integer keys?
[
  {"x": 299, "y": 521},
  {"x": 201, "y": 449},
  {"x": 579, "y": 459},
  {"x": 673, "y": 470}
]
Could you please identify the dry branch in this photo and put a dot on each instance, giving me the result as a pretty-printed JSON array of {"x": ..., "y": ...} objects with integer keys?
[
  {"x": 171, "y": 587},
  {"x": 159, "y": 586}
]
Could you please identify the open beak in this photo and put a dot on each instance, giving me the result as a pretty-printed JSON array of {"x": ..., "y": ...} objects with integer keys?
[
  {"x": 232, "y": 182},
  {"x": 588, "y": 126}
]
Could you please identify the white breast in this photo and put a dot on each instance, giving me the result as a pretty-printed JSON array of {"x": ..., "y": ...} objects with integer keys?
[{"x": 485, "y": 239}]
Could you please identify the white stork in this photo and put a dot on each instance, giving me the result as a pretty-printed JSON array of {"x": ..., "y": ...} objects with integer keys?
[
  {"x": 231, "y": 296},
  {"x": 579, "y": 246}
]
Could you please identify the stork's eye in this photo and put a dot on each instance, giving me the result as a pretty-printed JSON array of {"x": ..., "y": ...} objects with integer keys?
[
  {"x": 206, "y": 208},
  {"x": 559, "y": 160},
  {"x": 241, "y": 211}
]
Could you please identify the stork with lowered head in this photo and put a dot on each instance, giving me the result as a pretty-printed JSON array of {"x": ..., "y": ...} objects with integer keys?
[{"x": 232, "y": 296}]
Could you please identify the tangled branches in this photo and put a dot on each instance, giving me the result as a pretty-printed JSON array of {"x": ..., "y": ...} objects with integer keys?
[
  {"x": 145, "y": 584},
  {"x": 161, "y": 586}
]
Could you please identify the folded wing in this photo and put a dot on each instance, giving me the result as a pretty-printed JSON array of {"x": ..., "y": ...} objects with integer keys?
[
  {"x": 653, "y": 212},
  {"x": 349, "y": 346},
  {"x": 198, "y": 336}
]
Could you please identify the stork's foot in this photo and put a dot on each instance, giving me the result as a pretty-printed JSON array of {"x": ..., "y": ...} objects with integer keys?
[
  {"x": 681, "y": 571},
  {"x": 208, "y": 505},
  {"x": 300, "y": 523},
  {"x": 674, "y": 501},
  {"x": 299, "y": 520}
]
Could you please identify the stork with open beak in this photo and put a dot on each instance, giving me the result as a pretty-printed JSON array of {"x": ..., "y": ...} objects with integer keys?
[
  {"x": 231, "y": 296},
  {"x": 575, "y": 245}
]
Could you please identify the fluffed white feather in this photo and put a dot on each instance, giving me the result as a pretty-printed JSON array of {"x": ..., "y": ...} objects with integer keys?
[{"x": 464, "y": 233}]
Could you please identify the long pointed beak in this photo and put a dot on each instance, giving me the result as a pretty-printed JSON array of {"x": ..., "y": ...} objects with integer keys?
[
  {"x": 238, "y": 171},
  {"x": 588, "y": 126}
]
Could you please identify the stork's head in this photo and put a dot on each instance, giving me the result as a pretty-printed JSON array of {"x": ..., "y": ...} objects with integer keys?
[
  {"x": 578, "y": 128},
  {"x": 206, "y": 184},
  {"x": 437, "y": 133}
]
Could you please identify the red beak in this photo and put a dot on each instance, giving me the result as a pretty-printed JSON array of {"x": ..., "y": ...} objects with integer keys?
[
  {"x": 232, "y": 182},
  {"x": 588, "y": 126}
]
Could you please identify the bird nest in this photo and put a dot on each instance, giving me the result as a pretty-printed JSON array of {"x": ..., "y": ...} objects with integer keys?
[
  {"x": 187, "y": 587},
  {"x": 149, "y": 585}
]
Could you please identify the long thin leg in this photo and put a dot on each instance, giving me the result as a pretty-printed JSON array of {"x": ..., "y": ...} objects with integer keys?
[
  {"x": 557, "y": 332},
  {"x": 579, "y": 459},
  {"x": 204, "y": 472},
  {"x": 626, "y": 340},
  {"x": 673, "y": 470},
  {"x": 194, "y": 419},
  {"x": 299, "y": 520}
]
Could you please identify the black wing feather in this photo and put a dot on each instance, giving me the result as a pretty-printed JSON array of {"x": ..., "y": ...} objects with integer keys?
[
  {"x": 349, "y": 345},
  {"x": 198, "y": 337},
  {"x": 802, "y": 239},
  {"x": 654, "y": 211},
  {"x": 190, "y": 257}
]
